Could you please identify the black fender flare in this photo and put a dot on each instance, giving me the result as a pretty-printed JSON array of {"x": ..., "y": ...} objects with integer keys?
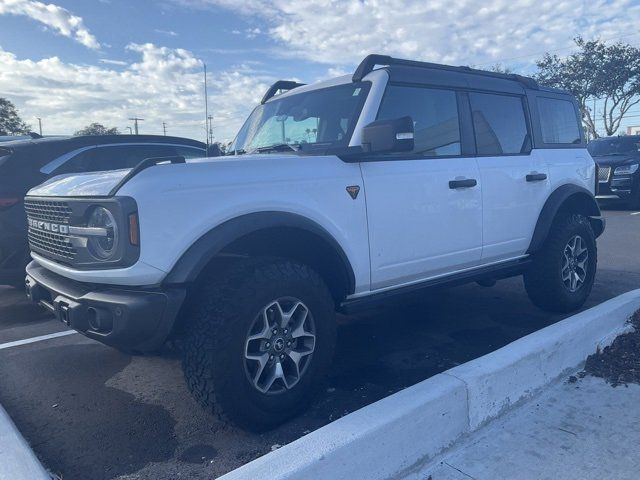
[
  {"x": 201, "y": 252},
  {"x": 553, "y": 205}
]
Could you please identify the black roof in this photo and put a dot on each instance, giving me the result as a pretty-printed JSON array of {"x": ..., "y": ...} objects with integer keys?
[
  {"x": 616, "y": 137},
  {"x": 411, "y": 71},
  {"x": 87, "y": 140}
]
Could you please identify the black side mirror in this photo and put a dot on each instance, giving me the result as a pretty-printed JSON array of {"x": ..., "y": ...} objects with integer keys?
[{"x": 386, "y": 136}]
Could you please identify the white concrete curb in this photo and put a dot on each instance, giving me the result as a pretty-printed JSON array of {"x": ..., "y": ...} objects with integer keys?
[
  {"x": 398, "y": 434},
  {"x": 17, "y": 461}
]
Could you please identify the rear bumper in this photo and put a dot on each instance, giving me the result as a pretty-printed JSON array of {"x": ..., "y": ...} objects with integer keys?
[{"x": 125, "y": 318}]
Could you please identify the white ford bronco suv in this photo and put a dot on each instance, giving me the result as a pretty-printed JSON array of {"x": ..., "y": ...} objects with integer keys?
[{"x": 337, "y": 196}]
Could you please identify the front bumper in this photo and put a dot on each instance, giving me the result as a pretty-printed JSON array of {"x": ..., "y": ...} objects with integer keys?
[
  {"x": 622, "y": 187},
  {"x": 126, "y": 318}
]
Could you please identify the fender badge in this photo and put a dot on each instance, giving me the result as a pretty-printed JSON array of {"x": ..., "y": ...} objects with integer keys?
[{"x": 353, "y": 190}]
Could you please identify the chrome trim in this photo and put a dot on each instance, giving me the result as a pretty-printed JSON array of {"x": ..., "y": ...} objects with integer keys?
[
  {"x": 604, "y": 172},
  {"x": 88, "y": 231}
]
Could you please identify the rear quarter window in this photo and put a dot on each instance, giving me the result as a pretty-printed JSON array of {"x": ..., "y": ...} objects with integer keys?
[{"x": 558, "y": 121}]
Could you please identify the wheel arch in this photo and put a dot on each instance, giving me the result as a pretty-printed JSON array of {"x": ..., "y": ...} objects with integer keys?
[
  {"x": 269, "y": 233},
  {"x": 567, "y": 198}
]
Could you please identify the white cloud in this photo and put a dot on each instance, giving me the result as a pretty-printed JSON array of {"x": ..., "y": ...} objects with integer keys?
[
  {"x": 164, "y": 85},
  {"x": 108, "y": 61},
  {"x": 52, "y": 16},
  {"x": 170, "y": 33},
  {"x": 449, "y": 31}
]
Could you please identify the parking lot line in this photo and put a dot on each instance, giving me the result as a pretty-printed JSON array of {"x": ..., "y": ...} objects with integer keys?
[{"x": 26, "y": 341}]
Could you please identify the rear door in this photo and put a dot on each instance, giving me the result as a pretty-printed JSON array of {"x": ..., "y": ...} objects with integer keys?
[
  {"x": 423, "y": 220},
  {"x": 515, "y": 181}
]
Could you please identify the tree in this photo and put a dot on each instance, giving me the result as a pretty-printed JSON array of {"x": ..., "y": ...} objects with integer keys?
[
  {"x": 10, "y": 121},
  {"x": 610, "y": 73},
  {"x": 500, "y": 68},
  {"x": 97, "y": 129}
]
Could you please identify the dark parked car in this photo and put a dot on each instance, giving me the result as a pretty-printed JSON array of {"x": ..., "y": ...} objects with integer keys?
[
  {"x": 26, "y": 163},
  {"x": 618, "y": 160}
]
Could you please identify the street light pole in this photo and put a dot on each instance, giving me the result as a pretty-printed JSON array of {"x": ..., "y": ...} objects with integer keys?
[
  {"x": 40, "y": 124},
  {"x": 135, "y": 123},
  {"x": 130, "y": 131},
  {"x": 206, "y": 105}
]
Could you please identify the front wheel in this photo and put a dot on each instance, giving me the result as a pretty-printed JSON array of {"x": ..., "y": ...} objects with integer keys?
[
  {"x": 260, "y": 341},
  {"x": 563, "y": 271}
]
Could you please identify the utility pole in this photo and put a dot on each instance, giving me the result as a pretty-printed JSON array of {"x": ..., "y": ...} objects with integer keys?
[
  {"x": 164, "y": 128},
  {"x": 210, "y": 118},
  {"x": 40, "y": 124},
  {"x": 595, "y": 131},
  {"x": 206, "y": 105},
  {"x": 135, "y": 123}
]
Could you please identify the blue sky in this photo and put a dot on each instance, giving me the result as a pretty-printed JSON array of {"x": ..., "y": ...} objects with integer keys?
[{"x": 72, "y": 62}]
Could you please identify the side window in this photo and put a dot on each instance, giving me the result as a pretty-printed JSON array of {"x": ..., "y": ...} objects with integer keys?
[
  {"x": 558, "y": 121},
  {"x": 77, "y": 163},
  {"x": 434, "y": 113},
  {"x": 189, "y": 152},
  {"x": 125, "y": 156},
  {"x": 499, "y": 124}
]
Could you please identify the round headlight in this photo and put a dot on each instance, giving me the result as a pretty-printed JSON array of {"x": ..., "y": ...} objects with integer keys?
[{"x": 103, "y": 246}]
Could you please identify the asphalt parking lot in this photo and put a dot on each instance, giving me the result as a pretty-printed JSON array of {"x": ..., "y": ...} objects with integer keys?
[{"x": 92, "y": 412}]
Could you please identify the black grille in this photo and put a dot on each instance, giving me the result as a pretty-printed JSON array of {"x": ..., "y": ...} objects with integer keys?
[
  {"x": 46, "y": 242},
  {"x": 47, "y": 210}
]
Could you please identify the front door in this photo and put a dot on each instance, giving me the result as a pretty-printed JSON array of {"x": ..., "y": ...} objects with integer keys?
[{"x": 424, "y": 207}]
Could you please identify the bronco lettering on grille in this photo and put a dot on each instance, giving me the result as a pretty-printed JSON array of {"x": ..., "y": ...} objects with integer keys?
[{"x": 49, "y": 227}]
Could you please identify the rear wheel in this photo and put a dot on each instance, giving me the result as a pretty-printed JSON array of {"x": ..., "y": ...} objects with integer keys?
[
  {"x": 259, "y": 342},
  {"x": 563, "y": 271}
]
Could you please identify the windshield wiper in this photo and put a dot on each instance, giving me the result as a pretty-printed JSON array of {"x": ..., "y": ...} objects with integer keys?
[{"x": 277, "y": 147}]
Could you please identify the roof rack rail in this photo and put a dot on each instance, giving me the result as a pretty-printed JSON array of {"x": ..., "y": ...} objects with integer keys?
[
  {"x": 280, "y": 85},
  {"x": 370, "y": 61}
]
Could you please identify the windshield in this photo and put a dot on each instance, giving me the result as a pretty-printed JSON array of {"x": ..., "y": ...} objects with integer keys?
[
  {"x": 613, "y": 146},
  {"x": 318, "y": 119}
]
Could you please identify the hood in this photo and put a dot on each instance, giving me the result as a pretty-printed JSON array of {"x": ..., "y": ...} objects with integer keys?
[
  {"x": 616, "y": 160},
  {"x": 94, "y": 184}
]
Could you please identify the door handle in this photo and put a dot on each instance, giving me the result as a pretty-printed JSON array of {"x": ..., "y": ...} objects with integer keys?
[
  {"x": 466, "y": 183},
  {"x": 536, "y": 177}
]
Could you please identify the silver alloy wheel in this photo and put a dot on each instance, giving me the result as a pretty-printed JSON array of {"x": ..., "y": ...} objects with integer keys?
[
  {"x": 279, "y": 345},
  {"x": 575, "y": 263}
]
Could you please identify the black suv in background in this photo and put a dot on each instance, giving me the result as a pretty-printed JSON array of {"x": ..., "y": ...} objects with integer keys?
[
  {"x": 618, "y": 160},
  {"x": 26, "y": 163}
]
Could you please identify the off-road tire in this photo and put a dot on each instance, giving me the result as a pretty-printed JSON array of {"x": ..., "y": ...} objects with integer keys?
[
  {"x": 215, "y": 332},
  {"x": 543, "y": 279}
]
